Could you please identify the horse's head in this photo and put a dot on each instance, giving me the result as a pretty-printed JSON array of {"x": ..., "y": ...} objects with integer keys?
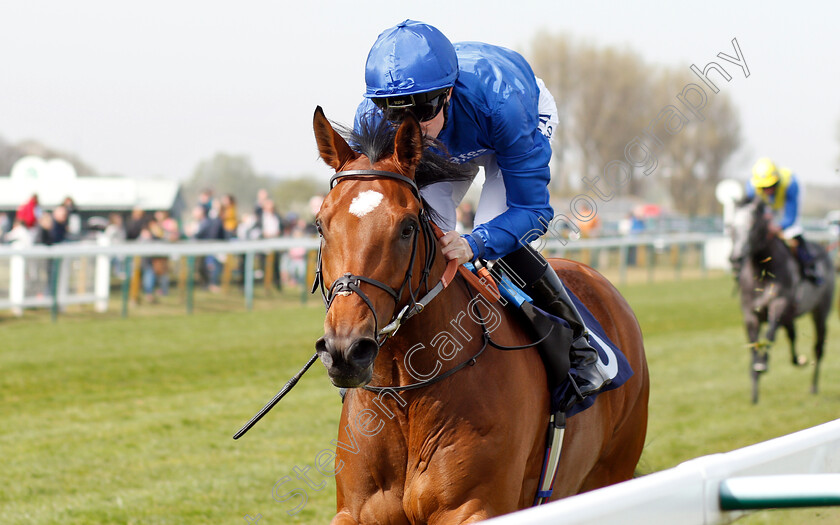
[
  {"x": 749, "y": 229},
  {"x": 370, "y": 224}
]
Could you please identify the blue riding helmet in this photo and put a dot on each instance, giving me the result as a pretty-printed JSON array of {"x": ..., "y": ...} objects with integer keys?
[{"x": 410, "y": 58}]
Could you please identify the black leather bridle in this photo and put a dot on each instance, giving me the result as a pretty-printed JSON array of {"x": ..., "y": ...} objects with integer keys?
[{"x": 349, "y": 283}]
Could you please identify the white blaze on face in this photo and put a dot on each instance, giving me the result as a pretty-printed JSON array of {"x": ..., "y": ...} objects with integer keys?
[{"x": 365, "y": 203}]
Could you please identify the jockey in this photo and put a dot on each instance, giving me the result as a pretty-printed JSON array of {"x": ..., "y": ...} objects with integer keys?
[
  {"x": 485, "y": 105},
  {"x": 779, "y": 188}
]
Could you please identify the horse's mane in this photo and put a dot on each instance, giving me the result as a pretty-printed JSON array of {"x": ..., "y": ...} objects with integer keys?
[{"x": 375, "y": 140}]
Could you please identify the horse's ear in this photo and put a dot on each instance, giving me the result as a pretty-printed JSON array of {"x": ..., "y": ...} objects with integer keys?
[
  {"x": 331, "y": 146},
  {"x": 408, "y": 144}
]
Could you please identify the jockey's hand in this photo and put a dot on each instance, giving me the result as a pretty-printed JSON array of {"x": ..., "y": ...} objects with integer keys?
[
  {"x": 774, "y": 229},
  {"x": 454, "y": 246}
]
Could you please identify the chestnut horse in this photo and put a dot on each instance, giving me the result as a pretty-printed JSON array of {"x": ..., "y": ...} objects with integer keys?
[{"x": 438, "y": 441}]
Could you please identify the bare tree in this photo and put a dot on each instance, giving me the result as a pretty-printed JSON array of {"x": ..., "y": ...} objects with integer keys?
[
  {"x": 606, "y": 97},
  {"x": 551, "y": 61},
  {"x": 693, "y": 158},
  {"x": 603, "y": 97}
]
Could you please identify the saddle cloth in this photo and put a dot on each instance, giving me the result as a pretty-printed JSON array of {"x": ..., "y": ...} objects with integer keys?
[{"x": 611, "y": 357}]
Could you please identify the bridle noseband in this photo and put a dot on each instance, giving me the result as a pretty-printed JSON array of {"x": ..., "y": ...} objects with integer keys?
[{"x": 349, "y": 283}]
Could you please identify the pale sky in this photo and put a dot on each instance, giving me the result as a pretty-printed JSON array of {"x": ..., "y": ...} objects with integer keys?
[{"x": 151, "y": 88}]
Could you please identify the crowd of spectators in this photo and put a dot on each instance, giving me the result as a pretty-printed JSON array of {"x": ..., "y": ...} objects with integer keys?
[
  {"x": 34, "y": 225},
  {"x": 212, "y": 218}
]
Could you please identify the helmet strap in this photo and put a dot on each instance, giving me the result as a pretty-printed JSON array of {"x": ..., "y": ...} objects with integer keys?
[{"x": 445, "y": 113}]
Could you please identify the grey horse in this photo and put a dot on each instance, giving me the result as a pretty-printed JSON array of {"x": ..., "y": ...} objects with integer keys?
[{"x": 773, "y": 290}]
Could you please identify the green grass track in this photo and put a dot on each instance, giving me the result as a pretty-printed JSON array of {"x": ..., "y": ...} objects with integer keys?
[{"x": 110, "y": 420}]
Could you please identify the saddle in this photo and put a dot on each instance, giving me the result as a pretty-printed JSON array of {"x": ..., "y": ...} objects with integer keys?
[
  {"x": 806, "y": 253},
  {"x": 553, "y": 337}
]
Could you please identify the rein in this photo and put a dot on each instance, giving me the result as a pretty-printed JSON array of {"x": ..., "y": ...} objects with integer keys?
[{"x": 486, "y": 340}]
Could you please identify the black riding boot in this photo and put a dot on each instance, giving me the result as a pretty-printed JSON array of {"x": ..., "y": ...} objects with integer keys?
[
  {"x": 807, "y": 261},
  {"x": 549, "y": 294}
]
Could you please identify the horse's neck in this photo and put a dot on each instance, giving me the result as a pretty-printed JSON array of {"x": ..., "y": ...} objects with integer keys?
[
  {"x": 766, "y": 250},
  {"x": 771, "y": 262},
  {"x": 435, "y": 340}
]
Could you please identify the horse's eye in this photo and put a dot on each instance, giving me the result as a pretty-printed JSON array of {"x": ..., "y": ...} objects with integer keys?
[
  {"x": 318, "y": 227},
  {"x": 407, "y": 230}
]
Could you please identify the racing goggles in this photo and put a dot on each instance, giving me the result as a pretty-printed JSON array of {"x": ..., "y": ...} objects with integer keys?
[{"x": 424, "y": 106}]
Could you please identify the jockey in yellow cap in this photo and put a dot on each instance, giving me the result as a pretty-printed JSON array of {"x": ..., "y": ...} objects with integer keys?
[{"x": 779, "y": 188}]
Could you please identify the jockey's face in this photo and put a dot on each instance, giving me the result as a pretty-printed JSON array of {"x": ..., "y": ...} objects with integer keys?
[
  {"x": 769, "y": 191},
  {"x": 433, "y": 127}
]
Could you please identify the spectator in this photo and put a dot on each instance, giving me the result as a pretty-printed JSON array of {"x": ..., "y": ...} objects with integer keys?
[
  {"x": 43, "y": 234},
  {"x": 155, "y": 270},
  {"x": 115, "y": 230},
  {"x": 135, "y": 224},
  {"x": 169, "y": 227},
  {"x": 29, "y": 212},
  {"x": 58, "y": 233},
  {"x": 248, "y": 228},
  {"x": 23, "y": 237},
  {"x": 262, "y": 196},
  {"x": 271, "y": 227},
  {"x": 296, "y": 263},
  {"x": 209, "y": 228},
  {"x": 19, "y": 235},
  {"x": 228, "y": 214},
  {"x": 115, "y": 233},
  {"x": 631, "y": 226},
  {"x": 205, "y": 200},
  {"x": 74, "y": 221}
]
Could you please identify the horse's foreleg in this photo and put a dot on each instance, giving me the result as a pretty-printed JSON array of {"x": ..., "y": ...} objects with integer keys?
[
  {"x": 759, "y": 366},
  {"x": 797, "y": 360},
  {"x": 770, "y": 334},
  {"x": 820, "y": 317},
  {"x": 816, "y": 378},
  {"x": 752, "y": 324},
  {"x": 758, "y": 363},
  {"x": 779, "y": 313}
]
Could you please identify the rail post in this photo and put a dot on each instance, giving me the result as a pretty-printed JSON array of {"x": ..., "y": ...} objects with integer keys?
[
  {"x": 126, "y": 282},
  {"x": 248, "y": 277},
  {"x": 190, "y": 282}
]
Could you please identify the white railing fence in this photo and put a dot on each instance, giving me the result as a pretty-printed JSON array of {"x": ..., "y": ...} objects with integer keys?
[
  {"x": 797, "y": 470},
  {"x": 73, "y": 273}
]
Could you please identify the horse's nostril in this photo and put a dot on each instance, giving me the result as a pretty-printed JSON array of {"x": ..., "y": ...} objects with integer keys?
[
  {"x": 362, "y": 352},
  {"x": 322, "y": 350}
]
